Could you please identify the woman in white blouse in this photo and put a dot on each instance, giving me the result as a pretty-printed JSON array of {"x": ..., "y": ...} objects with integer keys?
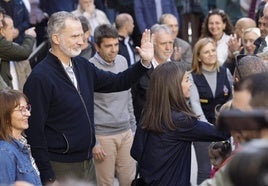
[{"x": 217, "y": 25}]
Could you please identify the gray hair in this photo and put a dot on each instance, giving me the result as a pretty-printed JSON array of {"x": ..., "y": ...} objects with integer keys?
[
  {"x": 249, "y": 65},
  {"x": 121, "y": 20},
  {"x": 163, "y": 18},
  {"x": 157, "y": 28},
  {"x": 56, "y": 22},
  {"x": 254, "y": 30}
]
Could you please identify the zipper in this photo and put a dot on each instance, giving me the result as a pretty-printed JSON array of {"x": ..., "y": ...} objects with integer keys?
[{"x": 84, "y": 105}]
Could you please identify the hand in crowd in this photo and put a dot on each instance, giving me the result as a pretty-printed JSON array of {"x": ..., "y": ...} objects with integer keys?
[
  {"x": 15, "y": 32},
  {"x": 30, "y": 31},
  {"x": 234, "y": 43},
  {"x": 146, "y": 51},
  {"x": 98, "y": 152}
]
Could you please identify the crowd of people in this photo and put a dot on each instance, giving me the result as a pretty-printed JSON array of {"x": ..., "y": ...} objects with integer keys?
[{"x": 98, "y": 90}]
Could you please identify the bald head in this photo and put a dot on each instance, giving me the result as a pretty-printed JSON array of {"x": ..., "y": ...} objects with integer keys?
[
  {"x": 121, "y": 20},
  {"x": 124, "y": 24},
  {"x": 171, "y": 21},
  {"x": 164, "y": 17},
  {"x": 242, "y": 24}
]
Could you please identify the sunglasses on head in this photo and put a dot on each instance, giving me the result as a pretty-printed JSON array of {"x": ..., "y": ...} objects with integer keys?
[{"x": 216, "y": 11}]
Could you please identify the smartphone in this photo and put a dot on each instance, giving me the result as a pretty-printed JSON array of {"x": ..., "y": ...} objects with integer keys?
[{"x": 240, "y": 120}]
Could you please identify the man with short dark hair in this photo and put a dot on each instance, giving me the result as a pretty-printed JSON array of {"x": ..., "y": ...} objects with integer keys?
[{"x": 113, "y": 114}]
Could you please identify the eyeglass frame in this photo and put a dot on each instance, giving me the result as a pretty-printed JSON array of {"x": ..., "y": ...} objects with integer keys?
[{"x": 23, "y": 109}]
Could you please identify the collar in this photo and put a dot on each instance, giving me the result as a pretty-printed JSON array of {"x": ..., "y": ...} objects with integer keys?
[
  {"x": 121, "y": 38},
  {"x": 21, "y": 146},
  {"x": 102, "y": 61},
  {"x": 67, "y": 66},
  {"x": 54, "y": 60},
  {"x": 155, "y": 63},
  {"x": 125, "y": 39},
  {"x": 223, "y": 38}
]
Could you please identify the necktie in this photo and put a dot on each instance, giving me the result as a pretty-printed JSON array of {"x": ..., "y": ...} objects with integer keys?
[{"x": 130, "y": 52}]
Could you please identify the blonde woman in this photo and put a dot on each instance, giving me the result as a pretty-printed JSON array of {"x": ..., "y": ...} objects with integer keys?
[
  {"x": 212, "y": 86},
  {"x": 250, "y": 35}
]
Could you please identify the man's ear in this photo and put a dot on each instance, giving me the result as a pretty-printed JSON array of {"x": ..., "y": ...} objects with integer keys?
[
  {"x": 55, "y": 39},
  {"x": 236, "y": 79},
  {"x": 87, "y": 34},
  {"x": 237, "y": 136},
  {"x": 96, "y": 47}
]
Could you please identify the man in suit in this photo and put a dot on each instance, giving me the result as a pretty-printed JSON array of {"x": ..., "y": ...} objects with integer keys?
[
  {"x": 124, "y": 24},
  {"x": 147, "y": 12},
  {"x": 182, "y": 49}
]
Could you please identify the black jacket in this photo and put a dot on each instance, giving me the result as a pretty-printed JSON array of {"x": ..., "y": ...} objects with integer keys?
[{"x": 62, "y": 122}]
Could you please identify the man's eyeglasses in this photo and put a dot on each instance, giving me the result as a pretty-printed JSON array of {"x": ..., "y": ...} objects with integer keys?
[{"x": 24, "y": 109}]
